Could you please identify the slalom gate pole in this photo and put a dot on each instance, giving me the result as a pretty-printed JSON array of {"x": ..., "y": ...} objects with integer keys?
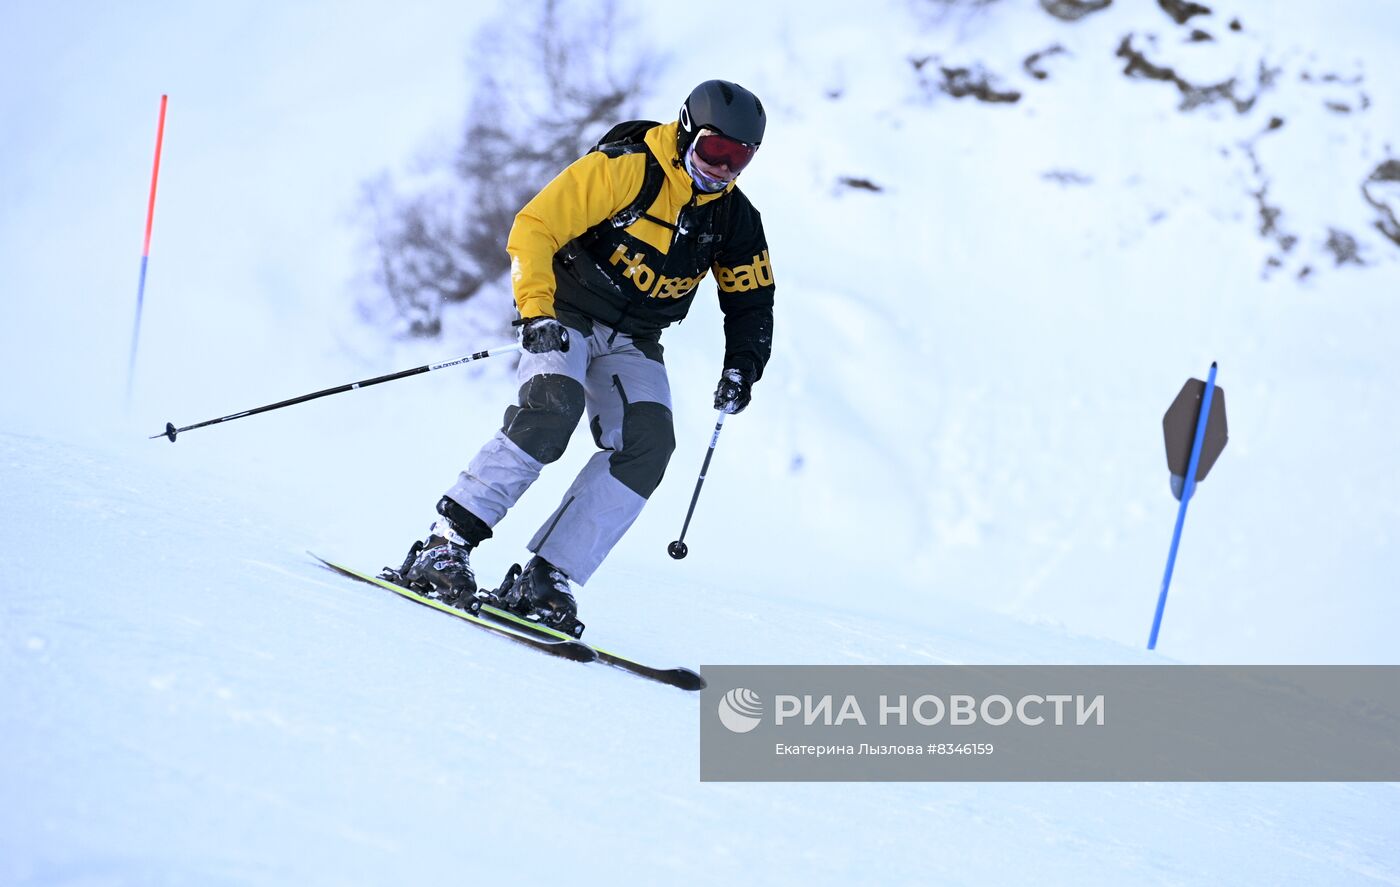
[
  {"x": 677, "y": 549},
  {"x": 145, "y": 252},
  {"x": 1187, "y": 491},
  {"x": 171, "y": 431}
]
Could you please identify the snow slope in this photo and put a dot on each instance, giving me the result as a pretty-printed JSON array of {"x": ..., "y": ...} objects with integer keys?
[
  {"x": 970, "y": 366},
  {"x": 187, "y": 698},
  {"x": 955, "y": 455}
]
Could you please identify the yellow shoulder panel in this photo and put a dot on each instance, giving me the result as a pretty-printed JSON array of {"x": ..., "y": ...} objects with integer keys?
[{"x": 589, "y": 190}]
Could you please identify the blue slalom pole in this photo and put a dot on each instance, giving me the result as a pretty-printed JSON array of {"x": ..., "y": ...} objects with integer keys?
[
  {"x": 1188, "y": 488},
  {"x": 136, "y": 327}
]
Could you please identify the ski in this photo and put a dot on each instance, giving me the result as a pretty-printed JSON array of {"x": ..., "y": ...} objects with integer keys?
[
  {"x": 515, "y": 628},
  {"x": 565, "y": 648},
  {"x": 683, "y": 678}
]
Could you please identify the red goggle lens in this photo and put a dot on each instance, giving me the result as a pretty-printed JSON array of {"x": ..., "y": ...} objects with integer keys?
[{"x": 721, "y": 150}]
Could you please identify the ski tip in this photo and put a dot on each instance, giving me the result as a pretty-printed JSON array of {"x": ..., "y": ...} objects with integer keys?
[{"x": 688, "y": 680}]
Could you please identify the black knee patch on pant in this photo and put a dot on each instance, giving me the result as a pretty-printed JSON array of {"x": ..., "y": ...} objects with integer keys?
[
  {"x": 549, "y": 410},
  {"x": 648, "y": 439}
]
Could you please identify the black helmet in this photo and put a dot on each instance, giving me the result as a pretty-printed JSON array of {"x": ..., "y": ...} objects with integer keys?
[{"x": 722, "y": 106}]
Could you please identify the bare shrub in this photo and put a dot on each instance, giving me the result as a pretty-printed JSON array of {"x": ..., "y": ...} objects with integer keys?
[{"x": 543, "y": 93}]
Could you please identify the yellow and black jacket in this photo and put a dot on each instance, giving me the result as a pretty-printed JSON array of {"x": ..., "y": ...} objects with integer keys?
[{"x": 577, "y": 250}]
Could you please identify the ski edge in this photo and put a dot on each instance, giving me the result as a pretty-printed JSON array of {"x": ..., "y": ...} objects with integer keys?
[
  {"x": 562, "y": 647},
  {"x": 684, "y": 678}
]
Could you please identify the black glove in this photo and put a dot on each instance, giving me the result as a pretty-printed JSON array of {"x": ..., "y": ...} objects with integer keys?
[
  {"x": 541, "y": 334},
  {"x": 734, "y": 391}
]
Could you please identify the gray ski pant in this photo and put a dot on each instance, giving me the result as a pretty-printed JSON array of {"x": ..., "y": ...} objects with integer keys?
[{"x": 622, "y": 385}]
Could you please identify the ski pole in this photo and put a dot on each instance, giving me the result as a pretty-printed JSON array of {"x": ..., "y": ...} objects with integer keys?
[
  {"x": 678, "y": 549},
  {"x": 171, "y": 431}
]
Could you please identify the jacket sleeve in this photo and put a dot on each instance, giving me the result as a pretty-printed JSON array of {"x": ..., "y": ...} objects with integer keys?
[
  {"x": 589, "y": 190},
  {"x": 744, "y": 276}
]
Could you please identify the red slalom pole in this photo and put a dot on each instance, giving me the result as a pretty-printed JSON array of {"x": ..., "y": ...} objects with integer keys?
[{"x": 145, "y": 251}]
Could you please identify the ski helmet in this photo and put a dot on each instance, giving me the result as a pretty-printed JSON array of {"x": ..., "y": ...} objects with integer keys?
[{"x": 725, "y": 107}]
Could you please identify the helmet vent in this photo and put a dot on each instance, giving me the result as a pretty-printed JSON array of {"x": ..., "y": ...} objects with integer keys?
[{"x": 728, "y": 93}]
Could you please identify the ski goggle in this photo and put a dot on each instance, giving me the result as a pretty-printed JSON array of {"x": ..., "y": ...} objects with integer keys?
[{"x": 718, "y": 149}]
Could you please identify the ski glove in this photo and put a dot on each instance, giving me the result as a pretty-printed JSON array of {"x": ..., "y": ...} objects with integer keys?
[
  {"x": 541, "y": 334},
  {"x": 734, "y": 391}
]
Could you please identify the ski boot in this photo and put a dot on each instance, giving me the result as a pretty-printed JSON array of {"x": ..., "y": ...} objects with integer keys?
[
  {"x": 440, "y": 567},
  {"x": 541, "y": 594}
]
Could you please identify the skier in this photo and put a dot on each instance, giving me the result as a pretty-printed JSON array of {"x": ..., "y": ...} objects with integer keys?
[{"x": 605, "y": 257}]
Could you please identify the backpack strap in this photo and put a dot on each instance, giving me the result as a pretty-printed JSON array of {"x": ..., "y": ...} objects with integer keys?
[
  {"x": 627, "y": 138},
  {"x": 652, "y": 181}
]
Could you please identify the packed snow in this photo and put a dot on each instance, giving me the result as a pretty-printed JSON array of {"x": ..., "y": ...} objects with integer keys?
[{"x": 955, "y": 455}]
